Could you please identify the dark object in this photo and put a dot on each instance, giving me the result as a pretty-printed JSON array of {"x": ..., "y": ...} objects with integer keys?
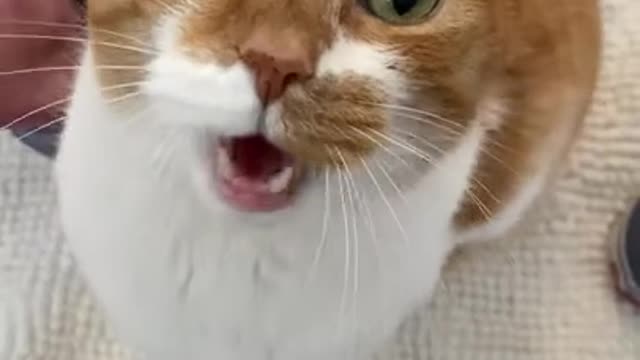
[
  {"x": 627, "y": 255},
  {"x": 44, "y": 141}
]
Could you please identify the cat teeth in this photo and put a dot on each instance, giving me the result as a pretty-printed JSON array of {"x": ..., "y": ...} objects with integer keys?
[
  {"x": 281, "y": 181},
  {"x": 225, "y": 168}
]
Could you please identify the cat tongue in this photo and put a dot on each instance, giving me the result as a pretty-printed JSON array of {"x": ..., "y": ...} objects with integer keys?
[{"x": 254, "y": 175}]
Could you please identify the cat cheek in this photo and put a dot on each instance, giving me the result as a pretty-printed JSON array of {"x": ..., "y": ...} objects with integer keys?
[
  {"x": 332, "y": 122},
  {"x": 216, "y": 97}
]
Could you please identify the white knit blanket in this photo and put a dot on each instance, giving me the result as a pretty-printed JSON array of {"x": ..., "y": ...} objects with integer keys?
[{"x": 542, "y": 293}]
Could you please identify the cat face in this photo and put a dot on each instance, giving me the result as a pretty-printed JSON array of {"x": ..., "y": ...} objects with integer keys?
[{"x": 378, "y": 87}]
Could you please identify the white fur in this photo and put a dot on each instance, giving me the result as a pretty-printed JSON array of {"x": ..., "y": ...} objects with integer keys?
[
  {"x": 184, "y": 277},
  {"x": 503, "y": 220},
  {"x": 190, "y": 92},
  {"x": 364, "y": 59}
]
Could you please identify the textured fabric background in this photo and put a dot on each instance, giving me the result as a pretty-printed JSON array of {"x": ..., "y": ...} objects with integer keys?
[{"x": 544, "y": 292}]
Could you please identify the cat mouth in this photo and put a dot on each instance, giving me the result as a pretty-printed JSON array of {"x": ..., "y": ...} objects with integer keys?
[{"x": 253, "y": 174}]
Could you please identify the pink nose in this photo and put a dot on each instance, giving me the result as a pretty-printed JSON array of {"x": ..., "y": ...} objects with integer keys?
[{"x": 276, "y": 61}]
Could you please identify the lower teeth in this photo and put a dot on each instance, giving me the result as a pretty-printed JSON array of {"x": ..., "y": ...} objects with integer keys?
[
  {"x": 281, "y": 181},
  {"x": 225, "y": 168}
]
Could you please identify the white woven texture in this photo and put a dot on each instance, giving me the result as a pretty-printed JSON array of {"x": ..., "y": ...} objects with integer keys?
[{"x": 544, "y": 292}]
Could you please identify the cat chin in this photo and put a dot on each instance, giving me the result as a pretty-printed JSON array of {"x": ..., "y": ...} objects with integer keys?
[{"x": 183, "y": 276}]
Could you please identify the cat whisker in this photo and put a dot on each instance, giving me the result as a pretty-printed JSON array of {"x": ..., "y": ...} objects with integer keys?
[
  {"x": 430, "y": 115},
  {"x": 124, "y": 97},
  {"x": 384, "y": 198},
  {"x": 38, "y": 110},
  {"x": 486, "y": 189},
  {"x": 122, "y": 85},
  {"x": 191, "y": 3},
  {"x": 325, "y": 227},
  {"x": 430, "y": 122},
  {"x": 347, "y": 249},
  {"x": 372, "y": 228},
  {"x": 442, "y": 152},
  {"x": 483, "y": 149},
  {"x": 497, "y": 159},
  {"x": 133, "y": 40},
  {"x": 351, "y": 189},
  {"x": 484, "y": 210},
  {"x": 426, "y": 120},
  {"x": 413, "y": 135},
  {"x": 78, "y": 40},
  {"x": 429, "y": 118},
  {"x": 173, "y": 9},
  {"x": 60, "y": 102},
  {"x": 62, "y": 118},
  {"x": 380, "y": 145},
  {"x": 386, "y": 174},
  {"x": 41, "y": 127},
  {"x": 417, "y": 152},
  {"x": 404, "y": 145},
  {"x": 84, "y": 28},
  {"x": 67, "y": 68}
]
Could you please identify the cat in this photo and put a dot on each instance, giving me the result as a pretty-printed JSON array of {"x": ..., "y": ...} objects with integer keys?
[{"x": 285, "y": 179}]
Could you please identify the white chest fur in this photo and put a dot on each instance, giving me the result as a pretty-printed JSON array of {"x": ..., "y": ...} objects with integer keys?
[{"x": 183, "y": 277}]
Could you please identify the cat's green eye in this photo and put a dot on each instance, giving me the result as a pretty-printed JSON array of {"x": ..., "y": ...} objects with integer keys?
[{"x": 402, "y": 12}]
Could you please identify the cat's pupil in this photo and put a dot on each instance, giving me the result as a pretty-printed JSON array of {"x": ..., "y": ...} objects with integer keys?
[{"x": 402, "y": 7}]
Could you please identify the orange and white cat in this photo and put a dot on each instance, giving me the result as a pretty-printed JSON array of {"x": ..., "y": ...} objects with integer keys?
[{"x": 284, "y": 179}]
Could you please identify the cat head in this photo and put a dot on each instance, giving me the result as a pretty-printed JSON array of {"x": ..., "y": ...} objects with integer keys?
[{"x": 387, "y": 89}]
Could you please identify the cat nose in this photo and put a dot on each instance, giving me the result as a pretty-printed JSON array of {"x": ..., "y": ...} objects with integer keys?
[{"x": 276, "y": 63}]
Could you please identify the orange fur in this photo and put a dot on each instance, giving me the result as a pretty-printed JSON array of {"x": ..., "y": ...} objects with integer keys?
[{"x": 537, "y": 58}]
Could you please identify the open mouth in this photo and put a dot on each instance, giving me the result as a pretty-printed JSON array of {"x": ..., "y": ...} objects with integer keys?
[{"x": 255, "y": 175}]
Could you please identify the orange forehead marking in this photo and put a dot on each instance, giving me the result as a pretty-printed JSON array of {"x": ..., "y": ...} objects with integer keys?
[{"x": 220, "y": 27}]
